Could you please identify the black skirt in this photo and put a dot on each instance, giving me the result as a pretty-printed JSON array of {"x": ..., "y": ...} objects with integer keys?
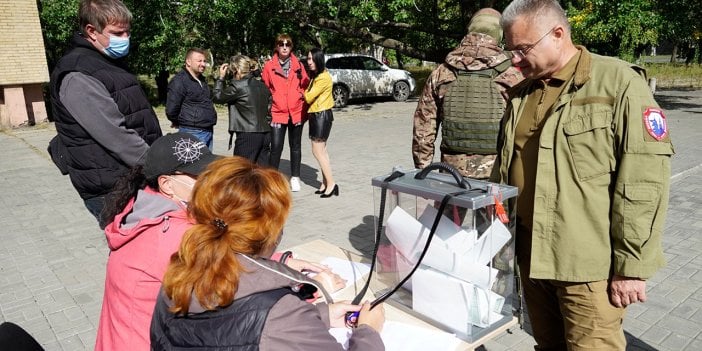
[{"x": 320, "y": 124}]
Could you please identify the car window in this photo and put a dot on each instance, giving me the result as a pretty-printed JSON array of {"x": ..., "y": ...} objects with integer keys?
[
  {"x": 353, "y": 62},
  {"x": 332, "y": 63},
  {"x": 371, "y": 64}
]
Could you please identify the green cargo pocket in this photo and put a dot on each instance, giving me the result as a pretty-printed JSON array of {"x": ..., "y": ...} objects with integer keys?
[
  {"x": 590, "y": 140},
  {"x": 639, "y": 211}
]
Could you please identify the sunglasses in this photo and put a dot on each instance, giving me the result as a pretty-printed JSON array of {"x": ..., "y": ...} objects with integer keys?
[{"x": 284, "y": 45}]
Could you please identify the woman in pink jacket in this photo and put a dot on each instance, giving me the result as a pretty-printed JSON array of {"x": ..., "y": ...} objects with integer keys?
[
  {"x": 287, "y": 79},
  {"x": 150, "y": 218}
]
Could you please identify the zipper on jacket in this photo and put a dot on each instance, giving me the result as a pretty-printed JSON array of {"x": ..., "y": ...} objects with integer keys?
[{"x": 166, "y": 224}]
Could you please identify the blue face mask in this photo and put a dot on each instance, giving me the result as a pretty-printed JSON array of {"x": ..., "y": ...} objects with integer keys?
[{"x": 118, "y": 47}]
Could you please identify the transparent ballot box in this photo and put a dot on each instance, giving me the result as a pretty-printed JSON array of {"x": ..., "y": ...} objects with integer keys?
[{"x": 464, "y": 283}]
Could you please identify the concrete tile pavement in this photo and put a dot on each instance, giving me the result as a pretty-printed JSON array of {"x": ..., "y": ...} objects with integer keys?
[{"x": 52, "y": 254}]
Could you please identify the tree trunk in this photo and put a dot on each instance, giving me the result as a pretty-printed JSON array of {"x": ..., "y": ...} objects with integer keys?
[
  {"x": 162, "y": 85},
  {"x": 675, "y": 53}
]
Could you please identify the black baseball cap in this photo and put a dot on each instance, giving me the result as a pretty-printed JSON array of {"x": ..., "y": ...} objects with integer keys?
[{"x": 177, "y": 152}]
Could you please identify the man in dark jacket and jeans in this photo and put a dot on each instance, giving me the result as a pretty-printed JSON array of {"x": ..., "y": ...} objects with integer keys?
[
  {"x": 189, "y": 103},
  {"x": 104, "y": 121}
]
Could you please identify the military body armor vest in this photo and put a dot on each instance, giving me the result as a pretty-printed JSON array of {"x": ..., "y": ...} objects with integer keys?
[{"x": 473, "y": 107}]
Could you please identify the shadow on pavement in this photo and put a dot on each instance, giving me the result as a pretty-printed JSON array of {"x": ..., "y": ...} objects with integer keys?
[
  {"x": 367, "y": 104},
  {"x": 635, "y": 344},
  {"x": 680, "y": 101},
  {"x": 308, "y": 174},
  {"x": 362, "y": 236}
]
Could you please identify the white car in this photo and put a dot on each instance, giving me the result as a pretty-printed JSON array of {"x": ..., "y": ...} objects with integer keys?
[{"x": 357, "y": 76}]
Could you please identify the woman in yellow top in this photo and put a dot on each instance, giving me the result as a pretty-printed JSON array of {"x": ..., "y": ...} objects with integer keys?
[{"x": 319, "y": 98}]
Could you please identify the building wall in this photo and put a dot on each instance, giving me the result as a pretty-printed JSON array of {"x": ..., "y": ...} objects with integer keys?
[{"x": 24, "y": 68}]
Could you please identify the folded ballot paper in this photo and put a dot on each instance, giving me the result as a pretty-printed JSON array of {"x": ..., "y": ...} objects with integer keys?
[
  {"x": 452, "y": 286},
  {"x": 454, "y": 303},
  {"x": 453, "y": 250}
]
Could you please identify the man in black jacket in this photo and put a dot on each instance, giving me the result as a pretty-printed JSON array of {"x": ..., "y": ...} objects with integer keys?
[
  {"x": 189, "y": 103},
  {"x": 104, "y": 120}
]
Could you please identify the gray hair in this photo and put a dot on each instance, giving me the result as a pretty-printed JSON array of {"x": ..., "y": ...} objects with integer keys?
[{"x": 534, "y": 12}]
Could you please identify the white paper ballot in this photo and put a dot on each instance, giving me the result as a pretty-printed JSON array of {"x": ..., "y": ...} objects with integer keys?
[
  {"x": 489, "y": 244},
  {"x": 406, "y": 233},
  {"x": 409, "y": 237},
  {"x": 453, "y": 250},
  {"x": 404, "y": 337},
  {"x": 452, "y": 302},
  {"x": 453, "y": 235}
]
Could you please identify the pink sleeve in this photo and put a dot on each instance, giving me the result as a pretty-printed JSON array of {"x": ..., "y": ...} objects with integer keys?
[{"x": 277, "y": 255}]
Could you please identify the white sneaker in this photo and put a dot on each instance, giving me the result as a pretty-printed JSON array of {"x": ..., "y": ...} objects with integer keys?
[{"x": 295, "y": 183}]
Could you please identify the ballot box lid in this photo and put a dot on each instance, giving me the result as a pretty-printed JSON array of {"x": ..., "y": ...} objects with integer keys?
[{"x": 436, "y": 185}]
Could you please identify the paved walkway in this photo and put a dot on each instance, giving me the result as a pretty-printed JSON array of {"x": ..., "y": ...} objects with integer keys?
[{"x": 52, "y": 254}]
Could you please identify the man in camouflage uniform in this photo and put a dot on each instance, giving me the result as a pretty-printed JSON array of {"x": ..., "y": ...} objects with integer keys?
[{"x": 473, "y": 152}]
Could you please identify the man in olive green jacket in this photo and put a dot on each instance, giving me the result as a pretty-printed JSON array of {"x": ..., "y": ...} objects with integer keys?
[{"x": 589, "y": 149}]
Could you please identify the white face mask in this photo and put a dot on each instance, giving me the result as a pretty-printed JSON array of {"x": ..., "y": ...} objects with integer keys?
[{"x": 190, "y": 185}]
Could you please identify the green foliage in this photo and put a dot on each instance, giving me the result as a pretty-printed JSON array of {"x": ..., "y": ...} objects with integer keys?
[
  {"x": 682, "y": 20},
  {"x": 59, "y": 21},
  {"x": 163, "y": 30},
  {"x": 618, "y": 28}
]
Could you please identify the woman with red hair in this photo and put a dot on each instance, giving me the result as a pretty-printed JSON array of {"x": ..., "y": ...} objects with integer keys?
[{"x": 221, "y": 292}]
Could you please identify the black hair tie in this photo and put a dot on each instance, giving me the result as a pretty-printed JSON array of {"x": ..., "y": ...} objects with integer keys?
[{"x": 220, "y": 225}]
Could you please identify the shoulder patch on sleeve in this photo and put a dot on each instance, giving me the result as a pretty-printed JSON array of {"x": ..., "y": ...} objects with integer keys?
[{"x": 655, "y": 122}]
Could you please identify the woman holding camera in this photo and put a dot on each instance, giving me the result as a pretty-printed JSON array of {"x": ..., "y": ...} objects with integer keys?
[{"x": 249, "y": 103}]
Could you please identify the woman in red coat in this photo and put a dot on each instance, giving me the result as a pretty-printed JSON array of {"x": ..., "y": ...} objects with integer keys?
[{"x": 287, "y": 79}]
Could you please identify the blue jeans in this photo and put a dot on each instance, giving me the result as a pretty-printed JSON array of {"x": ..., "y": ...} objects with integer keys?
[
  {"x": 203, "y": 135},
  {"x": 95, "y": 206}
]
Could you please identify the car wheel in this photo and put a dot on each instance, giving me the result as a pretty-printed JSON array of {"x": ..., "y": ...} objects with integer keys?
[
  {"x": 401, "y": 91},
  {"x": 340, "y": 95}
]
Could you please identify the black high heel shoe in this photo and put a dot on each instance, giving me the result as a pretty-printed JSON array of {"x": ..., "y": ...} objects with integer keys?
[
  {"x": 321, "y": 191},
  {"x": 334, "y": 192}
]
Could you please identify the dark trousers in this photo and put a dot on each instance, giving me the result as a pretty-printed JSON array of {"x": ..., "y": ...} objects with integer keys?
[
  {"x": 95, "y": 206},
  {"x": 254, "y": 146},
  {"x": 294, "y": 142},
  {"x": 13, "y": 337}
]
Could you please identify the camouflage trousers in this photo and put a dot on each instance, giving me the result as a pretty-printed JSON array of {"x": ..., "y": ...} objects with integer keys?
[{"x": 471, "y": 166}]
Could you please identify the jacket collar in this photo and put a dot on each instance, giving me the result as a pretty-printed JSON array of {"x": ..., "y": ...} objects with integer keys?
[
  {"x": 583, "y": 67},
  {"x": 147, "y": 209},
  {"x": 294, "y": 65},
  {"x": 583, "y": 70}
]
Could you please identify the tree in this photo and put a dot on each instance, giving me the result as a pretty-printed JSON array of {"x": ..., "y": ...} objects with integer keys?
[
  {"x": 162, "y": 30},
  {"x": 618, "y": 28},
  {"x": 681, "y": 25},
  {"x": 58, "y": 23}
]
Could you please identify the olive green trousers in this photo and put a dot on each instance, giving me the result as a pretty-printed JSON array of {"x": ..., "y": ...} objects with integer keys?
[{"x": 572, "y": 316}]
